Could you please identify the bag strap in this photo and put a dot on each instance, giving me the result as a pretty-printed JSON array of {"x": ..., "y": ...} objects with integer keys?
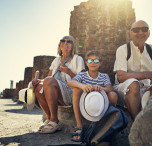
[
  {"x": 128, "y": 51},
  {"x": 66, "y": 59},
  {"x": 87, "y": 134},
  {"x": 149, "y": 50}
]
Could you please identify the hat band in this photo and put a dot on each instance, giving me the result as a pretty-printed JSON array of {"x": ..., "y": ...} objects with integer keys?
[
  {"x": 86, "y": 110},
  {"x": 25, "y": 96}
]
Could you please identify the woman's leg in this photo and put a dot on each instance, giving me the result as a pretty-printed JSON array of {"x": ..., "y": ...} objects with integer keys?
[
  {"x": 42, "y": 101},
  {"x": 53, "y": 97}
]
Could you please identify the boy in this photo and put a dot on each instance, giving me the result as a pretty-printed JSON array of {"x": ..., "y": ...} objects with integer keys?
[{"x": 91, "y": 80}]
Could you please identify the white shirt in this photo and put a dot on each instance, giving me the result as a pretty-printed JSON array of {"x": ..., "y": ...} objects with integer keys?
[{"x": 138, "y": 62}]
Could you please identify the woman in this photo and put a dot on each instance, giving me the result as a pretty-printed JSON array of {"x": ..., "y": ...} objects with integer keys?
[{"x": 54, "y": 90}]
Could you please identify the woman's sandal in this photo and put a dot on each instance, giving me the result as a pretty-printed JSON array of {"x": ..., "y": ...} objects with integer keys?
[
  {"x": 51, "y": 127},
  {"x": 44, "y": 124},
  {"x": 75, "y": 133}
]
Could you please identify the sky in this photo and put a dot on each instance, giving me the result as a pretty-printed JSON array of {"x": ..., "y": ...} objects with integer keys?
[{"x": 31, "y": 28}]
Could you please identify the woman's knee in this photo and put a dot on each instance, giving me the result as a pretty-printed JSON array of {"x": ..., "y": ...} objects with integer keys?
[{"x": 49, "y": 81}]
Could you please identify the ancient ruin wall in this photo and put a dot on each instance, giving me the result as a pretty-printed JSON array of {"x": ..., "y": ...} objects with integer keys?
[
  {"x": 42, "y": 63},
  {"x": 102, "y": 25}
]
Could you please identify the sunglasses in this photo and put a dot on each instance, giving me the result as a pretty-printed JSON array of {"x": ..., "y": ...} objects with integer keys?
[
  {"x": 143, "y": 29},
  {"x": 93, "y": 60},
  {"x": 67, "y": 41}
]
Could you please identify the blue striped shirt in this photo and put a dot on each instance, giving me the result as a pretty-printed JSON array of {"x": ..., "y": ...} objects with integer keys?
[{"x": 84, "y": 78}]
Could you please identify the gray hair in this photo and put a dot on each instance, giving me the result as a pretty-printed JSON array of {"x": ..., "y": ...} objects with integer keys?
[{"x": 74, "y": 45}]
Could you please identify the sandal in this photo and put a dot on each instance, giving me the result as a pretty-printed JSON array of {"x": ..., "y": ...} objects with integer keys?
[
  {"x": 75, "y": 133},
  {"x": 44, "y": 124},
  {"x": 51, "y": 127}
]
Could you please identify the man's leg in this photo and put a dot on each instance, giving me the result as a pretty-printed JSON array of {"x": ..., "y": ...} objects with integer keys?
[{"x": 133, "y": 99}]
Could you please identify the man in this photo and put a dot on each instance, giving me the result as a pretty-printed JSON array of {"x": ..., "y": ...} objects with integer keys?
[{"x": 133, "y": 76}]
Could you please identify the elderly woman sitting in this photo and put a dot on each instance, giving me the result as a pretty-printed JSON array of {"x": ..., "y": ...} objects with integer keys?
[{"x": 54, "y": 90}]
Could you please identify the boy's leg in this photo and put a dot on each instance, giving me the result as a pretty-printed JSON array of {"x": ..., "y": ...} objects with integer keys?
[
  {"x": 76, "y": 98},
  {"x": 112, "y": 96}
]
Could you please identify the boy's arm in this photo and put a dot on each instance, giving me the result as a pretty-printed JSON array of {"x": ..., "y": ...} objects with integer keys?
[
  {"x": 75, "y": 83},
  {"x": 108, "y": 88}
]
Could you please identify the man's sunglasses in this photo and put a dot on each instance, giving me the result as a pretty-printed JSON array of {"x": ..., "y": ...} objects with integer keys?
[
  {"x": 136, "y": 29},
  {"x": 67, "y": 41},
  {"x": 93, "y": 60}
]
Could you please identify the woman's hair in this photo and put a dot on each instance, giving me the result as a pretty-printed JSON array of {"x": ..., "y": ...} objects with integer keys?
[
  {"x": 74, "y": 45},
  {"x": 94, "y": 52}
]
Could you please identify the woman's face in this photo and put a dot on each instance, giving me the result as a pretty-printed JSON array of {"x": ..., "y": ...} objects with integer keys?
[{"x": 66, "y": 45}]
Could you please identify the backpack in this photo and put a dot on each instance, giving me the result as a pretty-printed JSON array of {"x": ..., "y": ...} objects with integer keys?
[
  {"x": 148, "y": 48},
  {"x": 105, "y": 129}
]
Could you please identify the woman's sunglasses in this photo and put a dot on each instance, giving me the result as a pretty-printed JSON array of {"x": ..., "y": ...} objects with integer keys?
[
  {"x": 67, "y": 41},
  {"x": 143, "y": 29},
  {"x": 93, "y": 60}
]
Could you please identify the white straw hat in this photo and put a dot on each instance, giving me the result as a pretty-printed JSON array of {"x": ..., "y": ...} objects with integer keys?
[
  {"x": 94, "y": 105},
  {"x": 27, "y": 95}
]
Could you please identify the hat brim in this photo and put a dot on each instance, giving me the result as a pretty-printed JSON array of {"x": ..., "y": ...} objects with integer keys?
[
  {"x": 30, "y": 99},
  {"x": 82, "y": 107},
  {"x": 22, "y": 93},
  {"x": 29, "y": 95}
]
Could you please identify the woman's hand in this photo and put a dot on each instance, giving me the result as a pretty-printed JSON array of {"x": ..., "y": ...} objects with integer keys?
[
  {"x": 35, "y": 83},
  {"x": 63, "y": 68}
]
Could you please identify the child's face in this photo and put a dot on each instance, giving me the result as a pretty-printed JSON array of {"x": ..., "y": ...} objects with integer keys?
[{"x": 93, "y": 63}]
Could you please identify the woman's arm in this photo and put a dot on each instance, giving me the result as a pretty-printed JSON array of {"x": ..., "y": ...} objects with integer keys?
[{"x": 50, "y": 72}]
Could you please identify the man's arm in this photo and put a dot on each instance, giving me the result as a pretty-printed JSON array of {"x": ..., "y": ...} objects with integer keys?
[{"x": 122, "y": 75}]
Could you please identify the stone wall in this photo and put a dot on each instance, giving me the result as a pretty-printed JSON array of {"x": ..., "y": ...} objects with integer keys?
[
  {"x": 42, "y": 63},
  {"x": 102, "y": 25},
  {"x": 9, "y": 93}
]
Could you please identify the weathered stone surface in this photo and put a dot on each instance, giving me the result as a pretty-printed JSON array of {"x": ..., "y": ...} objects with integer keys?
[
  {"x": 42, "y": 63},
  {"x": 141, "y": 131},
  {"x": 9, "y": 93},
  {"x": 102, "y": 25}
]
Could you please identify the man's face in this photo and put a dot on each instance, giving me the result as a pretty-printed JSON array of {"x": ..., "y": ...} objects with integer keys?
[{"x": 139, "y": 33}]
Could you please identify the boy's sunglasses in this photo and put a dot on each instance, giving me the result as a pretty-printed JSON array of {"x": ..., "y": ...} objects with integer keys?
[
  {"x": 143, "y": 29},
  {"x": 93, "y": 60},
  {"x": 67, "y": 41}
]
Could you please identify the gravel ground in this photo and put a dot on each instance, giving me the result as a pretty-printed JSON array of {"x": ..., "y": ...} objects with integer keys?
[{"x": 19, "y": 127}]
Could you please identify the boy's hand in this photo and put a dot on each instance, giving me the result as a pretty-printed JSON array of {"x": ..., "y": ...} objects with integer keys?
[
  {"x": 97, "y": 88},
  {"x": 87, "y": 88}
]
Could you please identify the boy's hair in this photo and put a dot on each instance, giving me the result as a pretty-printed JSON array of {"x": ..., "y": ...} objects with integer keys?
[{"x": 94, "y": 52}]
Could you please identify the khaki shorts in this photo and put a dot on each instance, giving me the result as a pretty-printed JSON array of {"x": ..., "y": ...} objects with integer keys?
[{"x": 122, "y": 89}]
